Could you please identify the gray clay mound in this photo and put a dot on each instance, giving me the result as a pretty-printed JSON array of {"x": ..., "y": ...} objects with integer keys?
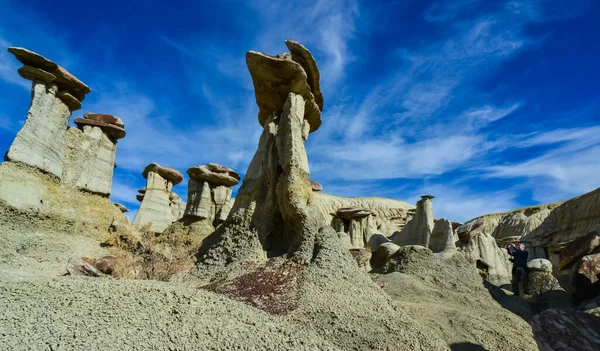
[
  {"x": 332, "y": 297},
  {"x": 116, "y": 314},
  {"x": 449, "y": 298},
  {"x": 41, "y": 251}
]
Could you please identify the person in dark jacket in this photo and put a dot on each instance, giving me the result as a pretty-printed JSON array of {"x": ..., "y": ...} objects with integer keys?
[{"x": 520, "y": 272}]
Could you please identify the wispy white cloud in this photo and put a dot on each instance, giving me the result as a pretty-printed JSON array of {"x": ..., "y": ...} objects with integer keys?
[
  {"x": 567, "y": 169},
  {"x": 578, "y": 138},
  {"x": 394, "y": 158},
  {"x": 408, "y": 126},
  {"x": 154, "y": 134},
  {"x": 9, "y": 66}
]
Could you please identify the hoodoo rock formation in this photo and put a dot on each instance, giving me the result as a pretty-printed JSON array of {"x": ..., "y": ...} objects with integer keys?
[
  {"x": 209, "y": 193},
  {"x": 357, "y": 222},
  {"x": 347, "y": 273},
  {"x": 209, "y": 200},
  {"x": 55, "y": 93},
  {"x": 159, "y": 205},
  {"x": 56, "y": 179},
  {"x": 418, "y": 229},
  {"x": 274, "y": 209},
  {"x": 276, "y": 239},
  {"x": 91, "y": 150}
]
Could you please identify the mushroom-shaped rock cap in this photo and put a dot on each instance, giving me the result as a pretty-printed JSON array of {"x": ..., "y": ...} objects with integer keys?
[
  {"x": 103, "y": 117},
  {"x": 315, "y": 186},
  {"x": 274, "y": 78},
  {"x": 63, "y": 79},
  {"x": 352, "y": 212},
  {"x": 427, "y": 197},
  {"x": 111, "y": 130},
  {"x": 301, "y": 55},
  {"x": 121, "y": 207},
  {"x": 30, "y": 58},
  {"x": 34, "y": 73},
  {"x": 71, "y": 101},
  {"x": 69, "y": 82},
  {"x": 214, "y": 174},
  {"x": 170, "y": 174}
]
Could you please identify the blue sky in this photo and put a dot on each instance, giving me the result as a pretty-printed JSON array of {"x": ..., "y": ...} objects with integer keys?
[{"x": 488, "y": 105}]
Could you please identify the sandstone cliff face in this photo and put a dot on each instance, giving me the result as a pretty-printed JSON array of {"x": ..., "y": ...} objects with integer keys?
[
  {"x": 545, "y": 229},
  {"x": 571, "y": 219},
  {"x": 507, "y": 225},
  {"x": 544, "y": 225},
  {"x": 360, "y": 218}
]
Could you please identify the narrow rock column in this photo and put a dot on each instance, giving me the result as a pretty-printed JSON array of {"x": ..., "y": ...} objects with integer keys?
[
  {"x": 156, "y": 202},
  {"x": 90, "y": 152},
  {"x": 209, "y": 193},
  {"x": 55, "y": 94},
  {"x": 418, "y": 230},
  {"x": 275, "y": 213},
  {"x": 199, "y": 202}
]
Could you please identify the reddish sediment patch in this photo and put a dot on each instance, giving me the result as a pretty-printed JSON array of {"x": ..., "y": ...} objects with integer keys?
[{"x": 274, "y": 287}]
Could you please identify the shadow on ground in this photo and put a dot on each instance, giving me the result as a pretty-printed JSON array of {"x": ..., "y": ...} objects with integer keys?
[
  {"x": 467, "y": 346},
  {"x": 515, "y": 304}
]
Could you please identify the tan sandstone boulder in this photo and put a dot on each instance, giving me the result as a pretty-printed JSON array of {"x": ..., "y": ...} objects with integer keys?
[
  {"x": 383, "y": 254},
  {"x": 578, "y": 248},
  {"x": 274, "y": 78},
  {"x": 541, "y": 279},
  {"x": 170, "y": 174},
  {"x": 585, "y": 278},
  {"x": 30, "y": 58}
]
